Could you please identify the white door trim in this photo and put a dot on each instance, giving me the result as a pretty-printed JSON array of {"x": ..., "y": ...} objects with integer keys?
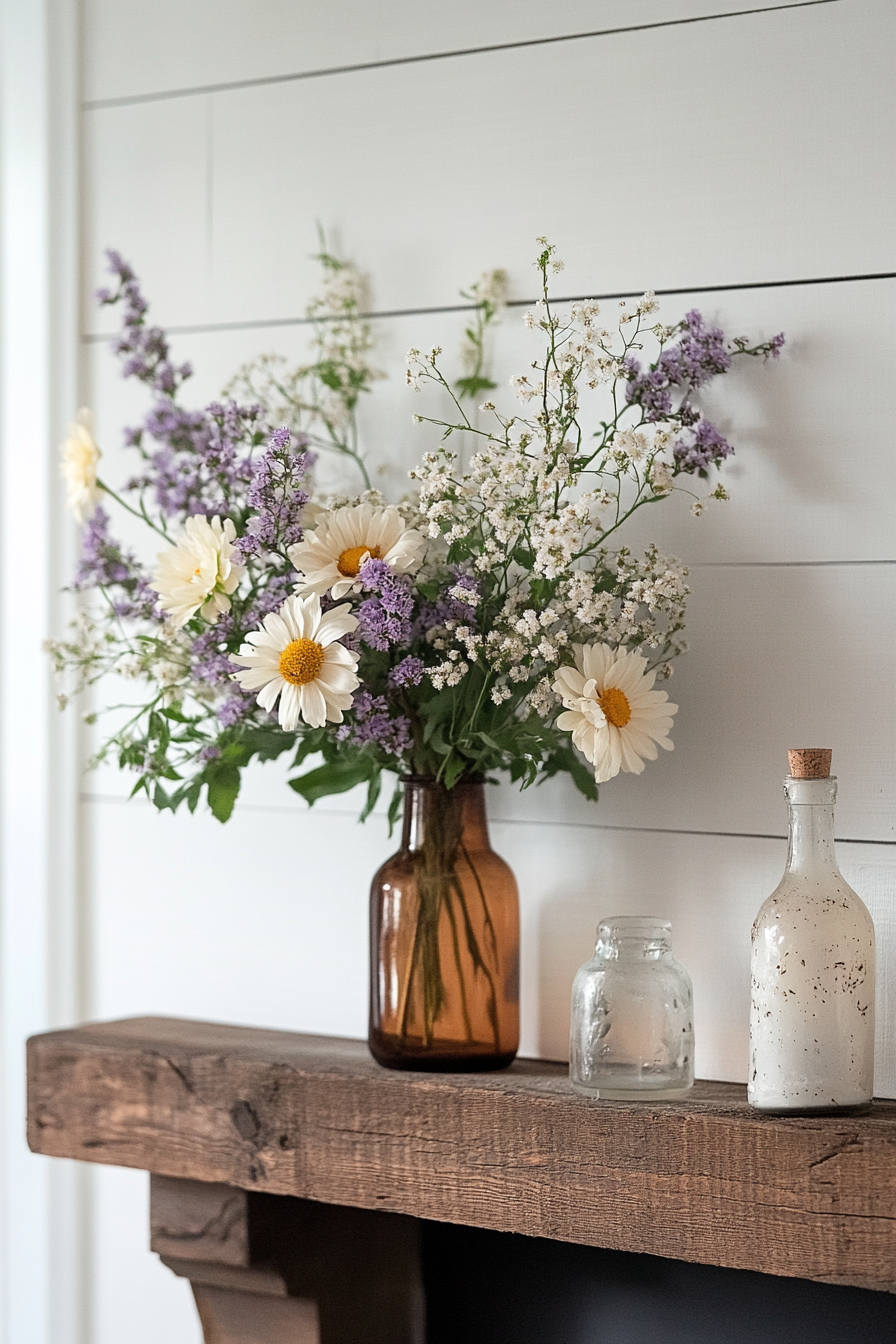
[{"x": 41, "y": 1205}]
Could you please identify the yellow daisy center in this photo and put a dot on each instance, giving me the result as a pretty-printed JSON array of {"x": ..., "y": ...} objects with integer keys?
[
  {"x": 301, "y": 661},
  {"x": 349, "y": 561},
  {"x": 615, "y": 705}
]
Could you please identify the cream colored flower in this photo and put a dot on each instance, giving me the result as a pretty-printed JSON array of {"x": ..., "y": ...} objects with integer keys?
[
  {"x": 296, "y": 656},
  {"x": 199, "y": 573},
  {"x": 80, "y": 455},
  {"x": 329, "y": 557},
  {"x": 616, "y": 718}
]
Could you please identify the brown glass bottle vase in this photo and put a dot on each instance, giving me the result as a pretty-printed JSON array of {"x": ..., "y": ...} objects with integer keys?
[{"x": 444, "y": 939}]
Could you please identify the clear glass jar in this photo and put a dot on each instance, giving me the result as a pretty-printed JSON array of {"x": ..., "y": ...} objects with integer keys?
[
  {"x": 632, "y": 1030},
  {"x": 812, "y": 997}
]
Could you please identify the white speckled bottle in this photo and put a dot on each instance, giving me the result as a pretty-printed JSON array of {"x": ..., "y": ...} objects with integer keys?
[{"x": 812, "y": 1000}]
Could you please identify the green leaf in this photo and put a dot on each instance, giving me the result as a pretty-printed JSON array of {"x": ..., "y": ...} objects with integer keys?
[
  {"x": 223, "y": 780},
  {"x": 541, "y": 591},
  {"x": 159, "y": 729},
  {"x": 268, "y": 743},
  {"x": 236, "y": 753},
  {"x": 471, "y": 387},
  {"x": 453, "y": 770},
  {"x": 565, "y": 758},
  {"x": 176, "y": 715},
  {"x": 490, "y": 742},
  {"x": 395, "y": 806},
  {"x": 373, "y": 793},
  {"x": 333, "y": 777},
  {"x": 309, "y": 744},
  {"x": 435, "y": 739}
]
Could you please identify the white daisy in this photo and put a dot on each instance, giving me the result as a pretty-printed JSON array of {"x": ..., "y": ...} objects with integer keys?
[
  {"x": 199, "y": 573},
  {"x": 616, "y": 718},
  {"x": 296, "y": 656},
  {"x": 329, "y": 557},
  {"x": 80, "y": 455}
]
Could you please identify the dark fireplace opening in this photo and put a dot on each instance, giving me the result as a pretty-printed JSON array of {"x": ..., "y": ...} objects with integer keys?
[{"x": 500, "y": 1288}]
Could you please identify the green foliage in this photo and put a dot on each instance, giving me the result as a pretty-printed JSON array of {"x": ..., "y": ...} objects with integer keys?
[
  {"x": 488, "y": 295},
  {"x": 336, "y": 776},
  {"x": 220, "y": 770}
]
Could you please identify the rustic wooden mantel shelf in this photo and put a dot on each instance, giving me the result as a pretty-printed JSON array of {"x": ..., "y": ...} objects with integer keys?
[{"x": 705, "y": 1179}]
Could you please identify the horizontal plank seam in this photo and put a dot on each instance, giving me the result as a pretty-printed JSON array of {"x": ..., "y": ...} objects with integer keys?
[
  {"x": 262, "y": 81},
  {"x": 262, "y": 323},
  {"x": 782, "y": 564},
  {"x": 117, "y": 799}
]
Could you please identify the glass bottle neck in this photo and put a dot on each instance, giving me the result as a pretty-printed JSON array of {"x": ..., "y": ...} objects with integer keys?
[
  {"x": 429, "y": 807},
  {"x": 633, "y": 938},
  {"x": 811, "y": 815}
]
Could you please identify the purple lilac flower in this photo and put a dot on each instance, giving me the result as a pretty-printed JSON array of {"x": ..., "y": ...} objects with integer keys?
[
  {"x": 105, "y": 564},
  {"x": 409, "y": 672},
  {"x": 202, "y": 459},
  {"x": 275, "y": 593},
  {"x": 372, "y": 723},
  {"x": 237, "y": 707},
  {"x": 384, "y": 619},
  {"x": 276, "y": 493},
  {"x": 697, "y": 357},
  {"x": 706, "y": 446},
  {"x": 145, "y": 348},
  {"x": 210, "y": 661},
  {"x": 650, "y": 390},
  {"x": 448, "y": 607}
]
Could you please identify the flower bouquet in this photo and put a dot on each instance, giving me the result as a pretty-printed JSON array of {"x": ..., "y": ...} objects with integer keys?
[{"x": 491, "y": 621}]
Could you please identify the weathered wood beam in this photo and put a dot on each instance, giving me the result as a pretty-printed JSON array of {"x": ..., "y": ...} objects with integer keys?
[
  {"x": 705, "y": 1179},
  {"x": 269, "y": 1269}
]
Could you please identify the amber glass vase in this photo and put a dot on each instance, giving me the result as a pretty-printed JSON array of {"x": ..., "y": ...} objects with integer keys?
[{"x": 444, "y": 939}]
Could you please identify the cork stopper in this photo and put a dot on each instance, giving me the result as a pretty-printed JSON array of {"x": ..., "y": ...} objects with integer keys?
[{"x": 810, "y": 762}]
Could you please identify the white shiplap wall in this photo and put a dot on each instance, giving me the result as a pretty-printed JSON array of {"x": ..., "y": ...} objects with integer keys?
[{"x": 684, "y": 151}]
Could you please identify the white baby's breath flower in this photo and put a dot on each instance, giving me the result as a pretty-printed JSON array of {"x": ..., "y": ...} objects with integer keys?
[
  {"x": 130, "y": 668},
  {"x": 296, "y": 656},
  {"x": 660, "y": 477},
  {"x": 491, "y": 288},
  {"x": 523, "y": 388},
  {"x": 330, "y": 557},
  {"x": 168, "y": 674},
  {"x": 199, "y": 573},
  {"x": 80, "y": 456},
  {"x": 616, "y": 718}
]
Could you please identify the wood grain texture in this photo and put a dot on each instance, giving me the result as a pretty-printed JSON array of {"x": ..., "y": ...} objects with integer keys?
[
  {"x": 195, "y": 1220},
  {"x": 706, "y": 1180},
  {"x": 354, "y": 1274}
]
